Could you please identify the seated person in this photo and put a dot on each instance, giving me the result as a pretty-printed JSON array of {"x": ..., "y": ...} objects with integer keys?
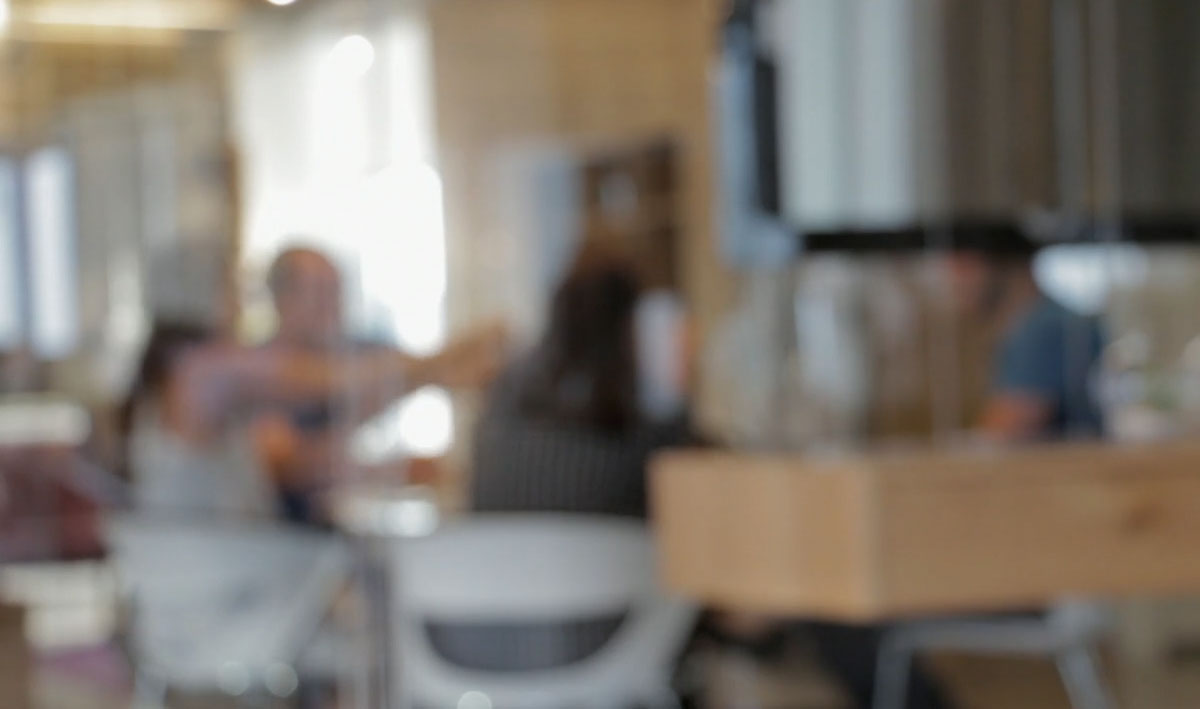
[
  {"x": 304, "y": 445},
  {"x": 571, "y": 426},
  {"x": 1045, "y": 358},
  {"x": 1040, "y": 390}
]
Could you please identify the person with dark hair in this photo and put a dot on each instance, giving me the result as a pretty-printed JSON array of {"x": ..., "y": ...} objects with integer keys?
[
  {"x": 570, "y": 427},
  {"x": 1041, "y": 368},
  {"x": 1045, "y": 357},
  {"x": 1039, "y": 390},
  {"x": 168, "y": 341},
  {"x": 175, "y": 464}
]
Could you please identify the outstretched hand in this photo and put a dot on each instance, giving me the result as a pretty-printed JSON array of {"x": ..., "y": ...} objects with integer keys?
[{"x": 474, "y": 360}]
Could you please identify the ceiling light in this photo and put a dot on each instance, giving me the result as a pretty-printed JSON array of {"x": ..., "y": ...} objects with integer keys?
[
  {"x": 281, "y": 2},
  {"x": 5, "y": 12}
]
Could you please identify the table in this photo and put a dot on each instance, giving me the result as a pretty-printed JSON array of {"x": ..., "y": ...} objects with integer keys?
[{"x": 878, "y": 537}]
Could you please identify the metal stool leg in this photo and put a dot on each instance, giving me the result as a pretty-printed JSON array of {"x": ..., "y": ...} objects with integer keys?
[
  {"x": 1080, "y": 672},
  {"x": 892, "y": 672}
]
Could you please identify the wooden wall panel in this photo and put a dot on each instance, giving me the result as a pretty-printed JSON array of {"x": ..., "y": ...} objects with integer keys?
[
  {"x": 38, "y": 78},
  {"x": 509, "y": 72}
]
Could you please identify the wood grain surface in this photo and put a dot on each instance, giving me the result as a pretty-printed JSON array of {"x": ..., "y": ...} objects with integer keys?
[{"x": 870, "y": 537}]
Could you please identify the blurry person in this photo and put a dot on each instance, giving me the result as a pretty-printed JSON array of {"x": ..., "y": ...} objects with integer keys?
[
  {"x": 190, "y": 409},
  {"x": 304, "y": 443},
  {"x": 571, "y": 426},
  {"x": 172, "y": 466},
  {"x": 306, "y": 290},
  {"x": 1045, "y": 357},
  {"x": 1039, "y": 390}
]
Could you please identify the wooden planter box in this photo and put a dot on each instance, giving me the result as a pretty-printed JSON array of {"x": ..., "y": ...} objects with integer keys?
[{"x": 876, "y": 537}]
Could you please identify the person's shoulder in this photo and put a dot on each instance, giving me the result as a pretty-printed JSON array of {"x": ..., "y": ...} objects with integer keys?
[
  {"x": 1080, "y": 319},
  {"x": 1049, "y": 314},
  {"x": 1052, "y": 324}
]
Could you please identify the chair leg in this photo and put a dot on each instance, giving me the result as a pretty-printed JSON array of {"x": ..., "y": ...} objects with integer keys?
[
  {"x": 1080, "y": 670},
  {"x": 892, "y": 672}
]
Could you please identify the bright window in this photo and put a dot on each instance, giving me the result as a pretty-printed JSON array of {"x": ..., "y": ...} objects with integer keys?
[
  {"x": 54, "y": 328},
  {"x": 338, "y": 150},
  {"x": 11, "y": 330}
]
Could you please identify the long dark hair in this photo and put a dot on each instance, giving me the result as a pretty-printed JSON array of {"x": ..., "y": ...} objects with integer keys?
[
  {"x": 585, "y": 370},
  {"x": 167, "y": 341}
]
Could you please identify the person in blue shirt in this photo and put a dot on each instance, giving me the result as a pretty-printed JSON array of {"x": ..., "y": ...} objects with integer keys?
[
  {"x": 1040, "y": 389},
  {"x": 1045, "y": 358}
]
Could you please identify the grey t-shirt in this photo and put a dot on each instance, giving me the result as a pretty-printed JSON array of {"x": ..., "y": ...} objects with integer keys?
[{"x": 1052, "y": 353}]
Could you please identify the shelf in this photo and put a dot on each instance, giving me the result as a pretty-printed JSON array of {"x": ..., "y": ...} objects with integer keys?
[{"x": 996, "y": 236}]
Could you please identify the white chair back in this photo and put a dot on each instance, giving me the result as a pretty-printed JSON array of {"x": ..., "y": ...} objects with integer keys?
[
  {"x": 513, "y": 569},
  {"x": 222, "y": 603}
]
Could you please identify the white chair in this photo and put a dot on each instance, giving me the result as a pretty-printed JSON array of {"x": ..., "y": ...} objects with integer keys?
[
  {"x": 222, "y": 607},
  {"x": 1070, "y": 634},
  {"x": 538, "y": 569}
]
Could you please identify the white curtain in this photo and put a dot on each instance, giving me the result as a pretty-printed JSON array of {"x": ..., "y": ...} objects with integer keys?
[{"x": 332, "y": 112}]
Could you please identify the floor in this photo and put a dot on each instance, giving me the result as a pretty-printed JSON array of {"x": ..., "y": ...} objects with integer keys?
[
  {"x": 94, "y": 681},
  {"x": 734, "y": 683},
  {"x": 974, "y": 682},
  {"x": 57, "y": 599}
]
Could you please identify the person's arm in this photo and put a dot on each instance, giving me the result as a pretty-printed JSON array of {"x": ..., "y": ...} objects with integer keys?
[
  {"x": 471, "y": 362},
  {"x": 214, "y": 381},
  {"x": 1028, "y": 384},
  {"x": 1014, "y": 416},
  {"x": 307, "y": 460}
]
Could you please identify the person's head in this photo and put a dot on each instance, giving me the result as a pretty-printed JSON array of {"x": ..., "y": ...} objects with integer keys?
[
  {"x": 307, "y": 291},
  {"x": 587, "y": 370},
  {"x": 168, "y": 341},
  {"x": 982, "y": 283}
]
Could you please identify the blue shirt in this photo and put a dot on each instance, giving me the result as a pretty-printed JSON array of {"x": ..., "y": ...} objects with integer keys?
[{"x": 1052, "y": 353}]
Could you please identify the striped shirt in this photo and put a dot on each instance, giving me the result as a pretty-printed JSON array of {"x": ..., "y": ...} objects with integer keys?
[{"x": 524, "y": 464}]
